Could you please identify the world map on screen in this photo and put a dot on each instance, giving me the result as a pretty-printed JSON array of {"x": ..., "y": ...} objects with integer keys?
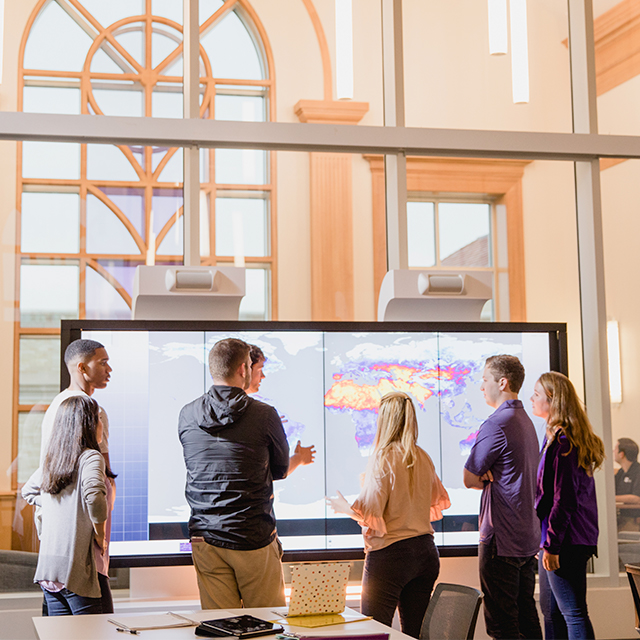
[
  {"x": 439, "y": 371},
  {"x": 359, "y": 388},
  {"x": 326, "y": 388}
]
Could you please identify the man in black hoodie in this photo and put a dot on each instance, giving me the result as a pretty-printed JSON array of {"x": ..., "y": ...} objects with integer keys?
[{"x": 234, "y": 447}]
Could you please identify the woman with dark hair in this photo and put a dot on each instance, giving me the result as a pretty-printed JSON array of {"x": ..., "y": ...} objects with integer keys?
[
  {"x": 72, "y": 490},
  {"x": 566, "y": 506},
  {"x": 400, "y": 497}
]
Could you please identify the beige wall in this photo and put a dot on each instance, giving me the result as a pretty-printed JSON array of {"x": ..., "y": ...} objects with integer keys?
[
  {"x": 620, "y": 197},
  {"x": 452, "y": 82},
  {"x": 551, "y": 252}
]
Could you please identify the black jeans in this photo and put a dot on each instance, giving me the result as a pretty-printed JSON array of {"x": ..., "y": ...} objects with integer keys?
[
  {"x": 401, "y": 575},
  {"x": 508, "y": 584}
]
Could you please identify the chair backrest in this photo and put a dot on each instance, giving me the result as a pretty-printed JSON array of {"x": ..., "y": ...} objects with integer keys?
[
  {"x": 633, "y": 573},
  {"x": 452, "y": 613}
]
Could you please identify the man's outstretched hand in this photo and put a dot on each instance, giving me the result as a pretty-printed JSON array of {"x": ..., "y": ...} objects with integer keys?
[
  {"x": 301, "y": 456},
  {"x": 307, "y": 454}
]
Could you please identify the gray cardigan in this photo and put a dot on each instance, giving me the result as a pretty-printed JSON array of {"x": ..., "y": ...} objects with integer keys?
[{"x": 66, "y": 545}]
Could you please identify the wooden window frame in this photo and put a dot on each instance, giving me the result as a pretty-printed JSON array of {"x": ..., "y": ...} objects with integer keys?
[
  {"x": 148, "y": 177},
  {"x": 501, "y": 180}
]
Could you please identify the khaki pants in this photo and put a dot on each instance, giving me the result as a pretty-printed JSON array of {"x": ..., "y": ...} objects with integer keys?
[{"x": 230, "y": 579}]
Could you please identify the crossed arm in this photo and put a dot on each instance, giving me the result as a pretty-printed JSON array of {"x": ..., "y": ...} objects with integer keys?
[{"x": 472, "y": 481}]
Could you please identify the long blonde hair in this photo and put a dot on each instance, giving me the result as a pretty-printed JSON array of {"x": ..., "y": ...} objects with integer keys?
[
  {"x": 567, "y": 413},
  {"x": 397, "y": 431}
]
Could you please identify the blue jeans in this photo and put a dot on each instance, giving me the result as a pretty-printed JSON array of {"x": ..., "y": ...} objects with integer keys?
[
  {"x": 401, "y": 575},
  {"x": 563, "y": 596},
  {"x": 67, "y": 603},
  {"x": 508, "y": 584}
]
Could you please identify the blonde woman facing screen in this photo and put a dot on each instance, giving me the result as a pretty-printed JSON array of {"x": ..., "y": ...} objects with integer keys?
[
  {"x": 566, "y": 506},
  {"x": 400, "y": 497}
]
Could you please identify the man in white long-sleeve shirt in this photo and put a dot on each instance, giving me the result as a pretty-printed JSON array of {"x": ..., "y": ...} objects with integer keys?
[{"x": 88, "y": 365}]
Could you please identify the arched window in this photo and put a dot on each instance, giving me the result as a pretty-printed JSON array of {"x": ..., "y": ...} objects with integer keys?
[{"x": 90, "y": 214}]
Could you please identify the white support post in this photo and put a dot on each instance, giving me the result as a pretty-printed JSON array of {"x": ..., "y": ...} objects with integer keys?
[
  {"x": 592, "y": 281},
  {"x": 395, "y": 166},
  {"x": 191, "y": 194}
]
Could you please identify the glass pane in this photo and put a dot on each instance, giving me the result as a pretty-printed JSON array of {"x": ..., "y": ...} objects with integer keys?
[
  {"x": 173, "y": 171},
  {"x": 240, "y": 166},
  {"x": 205, "y": 225},
  {"x": 231, "y": 50},
  {"x": 106, "y": 233},
  {"x": 58, "y": 160},
  {"x": 208, "y": 8},
  {"x": 166, "y": 203},
  {"x": 39, "y": 369},
  {"x": 51, "y": 100},
  {"x": 163, "y": 41},
  {"x": 503, "y": 292},
  {"x": 50, "y": 223},
  {"x": 106, "y": 13},
  {"x": 102, "y": 62},
  {"x": 173, "y": 242},
  {"x": 123, "y": 272},
  {"x": 29, "y": 438},
  {"x": 102, "y": 300},
  {"x": 421, "y": 235},
  {"x": 55, "y": 31},
  {"x": 241, "y": 227},
  {"x": 244, "y": 108},
  {"x": 205, "y": 155},
  {"x": 501, "y": 237},
  {"x": 131, "y": 37},
  {"x": 486, "y": 315},
  {"x": 165, "y": 104},
  {"x": 254, "y": 305},
  {"x": 174, "y": 68},
  {"x": 48, "y": 293},
  {"x": 127, "y": 102},
  {"x": 464, "y": 234},
  {"x": 171, "y": 9},
  {"x": 107, "y": 162},
  {"x": 131, "y": 203}
]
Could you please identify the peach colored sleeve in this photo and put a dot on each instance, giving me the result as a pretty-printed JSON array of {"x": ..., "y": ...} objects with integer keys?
[
  {"x": 439, "y": 498},
  {"x": 371, "y": 503}
]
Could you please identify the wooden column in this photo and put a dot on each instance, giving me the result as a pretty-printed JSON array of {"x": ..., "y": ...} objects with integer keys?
[{"x": 331, "y": 211}]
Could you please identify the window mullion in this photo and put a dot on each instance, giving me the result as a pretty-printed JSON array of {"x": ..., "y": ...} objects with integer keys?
[{"x": 191, "y": 92}]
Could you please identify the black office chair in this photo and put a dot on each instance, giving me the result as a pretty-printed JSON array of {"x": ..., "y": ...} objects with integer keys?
[
  {"x": 452, "y": 613},
  {"x": 633, "y": 573}
]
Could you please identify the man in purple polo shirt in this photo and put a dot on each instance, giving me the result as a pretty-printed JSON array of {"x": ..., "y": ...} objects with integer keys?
[{"x": 503, "y": 463}]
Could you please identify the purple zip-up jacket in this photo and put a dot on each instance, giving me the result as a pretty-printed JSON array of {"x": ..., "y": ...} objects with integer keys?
[{"x": 565, "y": 499}]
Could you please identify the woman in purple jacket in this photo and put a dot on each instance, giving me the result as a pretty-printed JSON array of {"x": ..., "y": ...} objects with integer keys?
[{"x": 566, "y": 506}]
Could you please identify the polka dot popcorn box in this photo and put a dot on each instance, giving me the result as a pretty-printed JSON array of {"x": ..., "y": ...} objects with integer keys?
[{"x": 318, "y": 588}]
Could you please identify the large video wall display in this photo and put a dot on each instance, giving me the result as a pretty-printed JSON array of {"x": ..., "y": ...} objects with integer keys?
[{"x": 326, "y": 383}]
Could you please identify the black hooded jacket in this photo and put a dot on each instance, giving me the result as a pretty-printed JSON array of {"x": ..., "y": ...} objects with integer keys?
[{"x": 234, "y": 447}]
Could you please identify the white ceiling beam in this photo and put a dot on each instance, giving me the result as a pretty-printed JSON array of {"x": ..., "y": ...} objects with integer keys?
[{"x": 315, "y": 137}]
